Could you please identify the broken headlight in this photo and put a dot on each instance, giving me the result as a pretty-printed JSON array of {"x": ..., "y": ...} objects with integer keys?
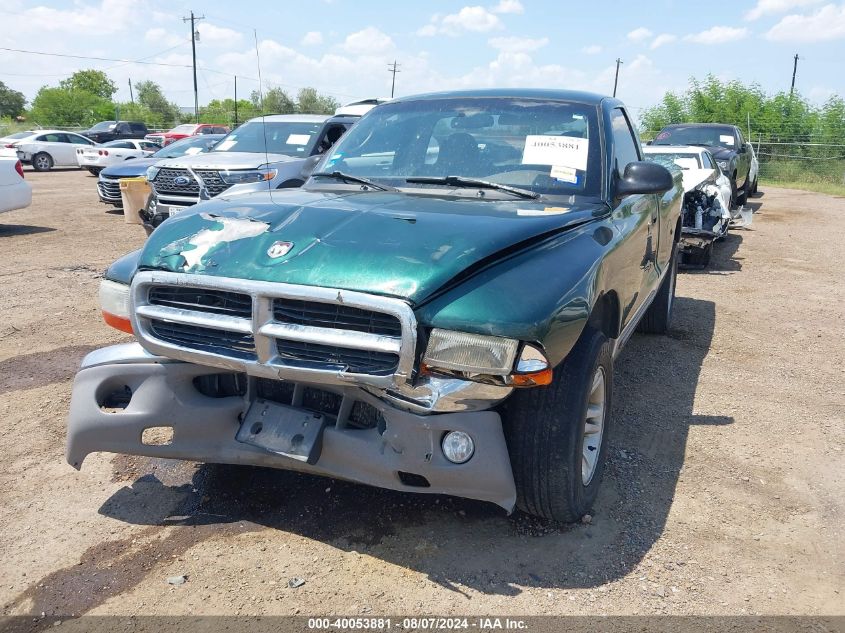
[
  {"x": 243, "y": 177},
  {"x": 473, "y": 353}
]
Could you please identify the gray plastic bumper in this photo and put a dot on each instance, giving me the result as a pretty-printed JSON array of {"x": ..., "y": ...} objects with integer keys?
[{"x": 204, "y": 429}]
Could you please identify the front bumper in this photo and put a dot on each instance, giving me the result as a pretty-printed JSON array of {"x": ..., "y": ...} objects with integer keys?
[{"x": 204, "y": 428}]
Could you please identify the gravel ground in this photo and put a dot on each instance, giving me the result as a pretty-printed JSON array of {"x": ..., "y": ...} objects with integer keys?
[{"x": 724, "y": 494}]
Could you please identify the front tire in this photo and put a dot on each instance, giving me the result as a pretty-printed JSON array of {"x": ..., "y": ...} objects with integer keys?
[
  {"x": 42, "y": 161},
  {"x": 557, "y": 435}
]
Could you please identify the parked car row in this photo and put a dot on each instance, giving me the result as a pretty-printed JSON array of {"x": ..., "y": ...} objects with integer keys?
[{"x": 720, "y": 172}]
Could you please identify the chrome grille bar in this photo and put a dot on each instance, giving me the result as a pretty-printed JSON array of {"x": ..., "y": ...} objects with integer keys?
[{"x": 267, "y": 331}]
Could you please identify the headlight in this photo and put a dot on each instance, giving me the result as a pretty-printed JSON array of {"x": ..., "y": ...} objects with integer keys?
[
  {"x": 243, "y": 177},
  {"x": 473, "y": 353},
  {"x": 723, "y": 164},
  {"x": 152, "y": 172},
  {"x": 114, "y": 302}
]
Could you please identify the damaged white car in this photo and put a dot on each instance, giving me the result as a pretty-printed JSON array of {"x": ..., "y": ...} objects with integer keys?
[{"x": 706, "y": 213}]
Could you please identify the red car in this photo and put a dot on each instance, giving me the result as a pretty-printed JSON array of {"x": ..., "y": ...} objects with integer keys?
[{"x": 184, "y": 131}]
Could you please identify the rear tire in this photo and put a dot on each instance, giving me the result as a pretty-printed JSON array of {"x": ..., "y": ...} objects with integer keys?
[
  {"x": 550, "y": 430},
  {"x": 658, "y": 316},
  {"x": 42, "y": 161},
  {"x": 699, "y": 259},
  {"x": 742, "y": 196}
]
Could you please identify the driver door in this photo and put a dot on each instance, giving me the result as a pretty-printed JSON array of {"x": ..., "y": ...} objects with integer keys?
[{"x": 637, "y": 217}]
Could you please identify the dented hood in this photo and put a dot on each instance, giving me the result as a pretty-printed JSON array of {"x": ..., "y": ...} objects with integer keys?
[
  {"x": 384, "y": 243},
  {"x": 692, "y": 178}
]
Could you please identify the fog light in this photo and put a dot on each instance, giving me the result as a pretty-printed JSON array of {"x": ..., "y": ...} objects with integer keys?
[{"x": 458, "y": 447}]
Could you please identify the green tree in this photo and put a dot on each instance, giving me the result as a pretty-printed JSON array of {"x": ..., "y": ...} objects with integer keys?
[
  {"x": 11, "y": 101},
  {"x": 151, "y": 96},
  {"x": 95, "y": 82},
  {"x": 276, "y": 101},
  {"x": 223, "y": 111},
  {"x": 59, "y": 107},
  {"x": 311, "y": 102}
]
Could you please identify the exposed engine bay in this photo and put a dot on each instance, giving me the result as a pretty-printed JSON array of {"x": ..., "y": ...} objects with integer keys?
[{"x": 705, "y": 218}]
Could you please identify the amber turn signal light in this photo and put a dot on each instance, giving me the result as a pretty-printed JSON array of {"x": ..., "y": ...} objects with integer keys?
[{"x": 118, "y": 323}]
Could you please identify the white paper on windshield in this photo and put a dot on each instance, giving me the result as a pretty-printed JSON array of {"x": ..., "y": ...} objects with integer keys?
[
  {"x": 563, "y": 151},
  {"x": 726, "y": 138},
  {"x": 565, "y": 174},
  {"x": 298, "y": 139},
  {"x": 193, "y": 150},
  {"x": 545, "y": 211},
  {"x": 225, "y": 145}
]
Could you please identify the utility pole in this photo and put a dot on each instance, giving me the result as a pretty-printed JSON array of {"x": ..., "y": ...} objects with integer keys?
[
  {"x": 131, "y": 96},
  {"x": 393, "y": 68},
  {"x": 194, "y": 34},
  {"x": 236, "y": 101},
  {"x": 794, "y": 71},
  {"x": 619, "y": 62}
]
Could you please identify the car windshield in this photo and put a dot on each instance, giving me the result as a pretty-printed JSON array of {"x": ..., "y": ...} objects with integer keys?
[
  {"x": 549, "y": 147},
  {"x": 192, "y": 145},
  {"x": 187, "y": 128},
  {"x": 18, "y": 135},
  {"x": 684, "y": 160},
  {"x": 709, "y": 136},
  {"x": 104, "y": 125},
  {"x": 120, "y": 144},
  {"x": 292, "y": 138}
]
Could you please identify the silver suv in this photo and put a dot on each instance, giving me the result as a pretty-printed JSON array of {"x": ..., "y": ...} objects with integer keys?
[{"x": 270, "y": 152}]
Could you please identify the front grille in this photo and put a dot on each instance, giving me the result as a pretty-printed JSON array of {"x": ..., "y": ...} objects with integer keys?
[
  {"x": 165, "y": 182},
  {"x": 215, "y": 301},
  {"x": 233, "y": 344},
  {"x": 109, "y": 188},
  {"x": 335, "y": 316},
  {"x": 352, "y": 360},
  {"x": 276, "y": 330}
]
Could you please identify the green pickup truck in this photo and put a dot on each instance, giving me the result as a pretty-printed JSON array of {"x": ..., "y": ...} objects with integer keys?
[{"x": 436, "y": 310}]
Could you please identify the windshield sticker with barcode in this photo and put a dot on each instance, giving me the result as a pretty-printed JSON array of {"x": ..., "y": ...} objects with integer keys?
[
  {"x": 726, "y": 138},
  {"x": 563, "y": 151},
  {"x": 298, "y": 139},
  {"x": 564, "y": 174}
]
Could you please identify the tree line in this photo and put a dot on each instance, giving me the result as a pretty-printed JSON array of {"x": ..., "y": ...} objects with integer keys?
[
  {"x": 781, "y": 117},
  {"x": 87, "y": 96}
]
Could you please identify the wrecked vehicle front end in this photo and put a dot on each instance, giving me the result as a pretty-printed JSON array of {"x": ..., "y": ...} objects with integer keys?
[{"x": 705, "y": 219}]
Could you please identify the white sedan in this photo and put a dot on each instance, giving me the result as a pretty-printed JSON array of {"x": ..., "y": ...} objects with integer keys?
[
  {"x": 98, "y": 157},
  {"x": 45, "y": 149},
  {"x": 15, "y": 192}
]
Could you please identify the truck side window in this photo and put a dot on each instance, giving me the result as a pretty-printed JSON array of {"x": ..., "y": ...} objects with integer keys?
[{"x": 625, "y": 148}]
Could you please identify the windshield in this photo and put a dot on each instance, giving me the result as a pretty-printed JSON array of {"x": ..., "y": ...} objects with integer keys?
[
  {"x": 545, "y": 146},
  {"x": 187, "y": 128},
  {"x": 684, "y": 160},
  {"x": 192, "y": 145},
  {"x": 291, "y": 138},
  {"x": 709, "y": 136},
  {"x": 104, "y": 125},
  {"x": 18, "y": 135}
]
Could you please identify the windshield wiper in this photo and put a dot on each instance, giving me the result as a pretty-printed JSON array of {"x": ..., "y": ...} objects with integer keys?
[
  {"x": 339, "y": 175},
  {"x": 460, "y": 181}
]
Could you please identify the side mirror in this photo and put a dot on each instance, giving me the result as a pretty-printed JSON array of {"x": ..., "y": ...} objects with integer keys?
[
  {"x": 309, "y": 165},
  {"x": 649, "y": 142},
  {"x": 644, "y": 177}
]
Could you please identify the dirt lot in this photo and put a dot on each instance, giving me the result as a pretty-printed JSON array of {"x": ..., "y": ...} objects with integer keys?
[{"x": 725, "y": 492}]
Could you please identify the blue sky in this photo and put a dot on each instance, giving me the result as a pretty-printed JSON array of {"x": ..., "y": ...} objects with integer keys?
[{"x": 342, "y": 47}]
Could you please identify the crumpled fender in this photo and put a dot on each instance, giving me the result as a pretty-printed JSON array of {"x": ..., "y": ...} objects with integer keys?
[{"x": 543, "y": 294}]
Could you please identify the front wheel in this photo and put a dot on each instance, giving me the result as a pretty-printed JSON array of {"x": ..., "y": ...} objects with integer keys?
[
  {"x": 42, "y": 161},
  {"x": 557, "y": 435}
]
